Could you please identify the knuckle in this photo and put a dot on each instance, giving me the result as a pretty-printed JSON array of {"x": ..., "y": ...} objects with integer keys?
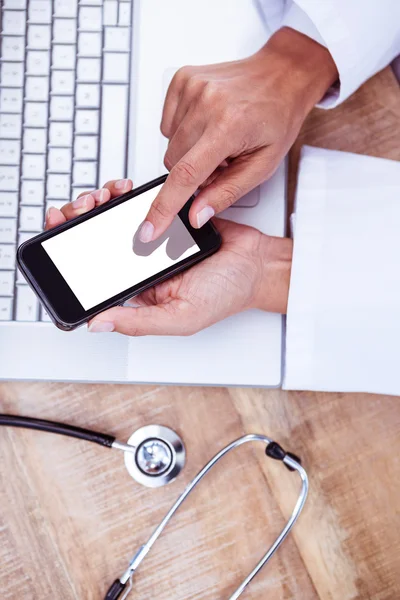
[
  {"x": 228, "y": 194},
  {"x": 182, "y": 75},
  {"x": 168, "y": 161},
  {"x": 209, "y": 93},
  {"x": 160, "y": 210},
  {"x": 184, "y": 174},
  {"x": 165, "y": 129}
]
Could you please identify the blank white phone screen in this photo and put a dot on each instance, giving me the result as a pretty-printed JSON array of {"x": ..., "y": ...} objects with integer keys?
[{"x": 103, "y": 257}]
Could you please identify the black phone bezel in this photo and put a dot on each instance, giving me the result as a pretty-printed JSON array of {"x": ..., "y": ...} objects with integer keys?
[{"x": 60, "y": 302}]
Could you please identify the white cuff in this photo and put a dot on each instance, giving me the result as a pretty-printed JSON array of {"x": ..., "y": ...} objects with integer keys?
[{"x": 343, "y": 322}]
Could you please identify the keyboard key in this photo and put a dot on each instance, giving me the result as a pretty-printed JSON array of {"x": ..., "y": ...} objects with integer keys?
[
  {"x": 87, "y": 95},
  {"x": 8, "y": 204},
  {"x": 44, "y": 316},
  {"x": 5, "y": 309},
  {"x": 38, "y": 63},
  {"x": 58, "y": 186},
  {"x": 62, "y": 108},
  {"x": 31, "y": 218},
  {"x": 39, "y": 37},
  {"x": 14, "y": 22},
  {"x": 15, "y": 4},
  {"x": 55, "y": 204},
  {"x": 64, "y": 31},
  {"x": 9, "y": 178},
  {"x": 24, "y": 236},
  {"x": 27, "y": 304},
  {"x": 35, "y": 140},
  {"x": 33, "y": 166},
  {"x": 7, "y": 256},
  {"x": 85, "y": 174},
  {"x": 13, "y": 48},
  {"x": 87, "y": 121},
  {"x": 10, "y": 126},
  {"x": 37, "y": 88},
  {"x": 11, "y": 100},
  {"x": 9, "y": 152},
  {"x": 12, "y": 74},
  {"x": 90, "y": 18},
  {"x": 85, "y": 147},
  {"x": 116, "y": 67},
  {"x": 117, "y": 38},
  {"x": 110, "y": 12},
  {"x": 89, "y": 44},
  {"x": 6, "y": 283},
  {"x": 113, "y": 127},
  {"x": 124, "y": 17},
  {"x": 65, "y": 8},
  {"x": 32, "y": 192},
  {"x": 8, "y": 231},
  {"x": 63, "y": 57},
  {"x": 77, "y": 191},
  {"x": 35, "y": 114},
  {"x": 63, "y": 82},
  {"x": 89, "y": 69},
  {"x": 59, "y": 160},
  {"x": 61, "y": 134},
  {"x": 39, "y": 11}
]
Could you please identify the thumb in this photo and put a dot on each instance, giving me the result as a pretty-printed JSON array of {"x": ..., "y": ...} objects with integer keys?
[
  {"x": 173, "y": 318},
  {"x": 242, "y": 175}
]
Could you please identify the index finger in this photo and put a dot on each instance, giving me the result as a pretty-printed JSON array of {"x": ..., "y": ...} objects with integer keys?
[{"x": 183, "y": 180}]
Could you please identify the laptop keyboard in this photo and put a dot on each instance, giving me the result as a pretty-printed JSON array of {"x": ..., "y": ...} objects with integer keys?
[{"x": 64, "y": 92}]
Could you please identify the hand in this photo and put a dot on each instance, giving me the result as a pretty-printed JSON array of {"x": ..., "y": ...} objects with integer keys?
[
  {"x": 251, "y": 270},
  {"x": 229, "y": 125}
]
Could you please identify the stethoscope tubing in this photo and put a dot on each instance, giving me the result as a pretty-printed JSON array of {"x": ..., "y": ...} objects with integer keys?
[
  {"x": 58, "y": 428},
  {"x": 80, "y": 433}
]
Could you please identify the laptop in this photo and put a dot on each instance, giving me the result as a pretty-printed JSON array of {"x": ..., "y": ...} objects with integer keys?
[{"x": 81, "y": 95}]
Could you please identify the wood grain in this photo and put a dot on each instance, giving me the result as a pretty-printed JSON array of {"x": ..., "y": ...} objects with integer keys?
[{"x": 71, "y": 517}]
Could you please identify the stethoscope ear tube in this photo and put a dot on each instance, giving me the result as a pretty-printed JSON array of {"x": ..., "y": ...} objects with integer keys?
[{"x": 59, "y": 428}]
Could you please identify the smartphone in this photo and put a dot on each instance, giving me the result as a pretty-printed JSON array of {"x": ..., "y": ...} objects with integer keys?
[{"x": 96, "y": 260}]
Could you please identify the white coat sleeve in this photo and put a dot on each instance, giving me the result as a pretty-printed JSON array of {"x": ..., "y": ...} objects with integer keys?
[
  {"x": 343, "y": 319},
  {"x": 363, "y": 36}
]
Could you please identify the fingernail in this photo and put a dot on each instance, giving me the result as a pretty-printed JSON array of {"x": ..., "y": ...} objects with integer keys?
[
  {"x": 204, "y": 215},
  {"x": 101, "y": 196},
  {"x": 48, "y": 212},
  {"x": 146, "y": 232},
  {"x": 81, "y": 202},
  {"x": 101, "y": 327},
  {"x": 121, "y": 184}
]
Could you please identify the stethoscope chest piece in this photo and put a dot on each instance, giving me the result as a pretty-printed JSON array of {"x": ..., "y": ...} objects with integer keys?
[{"x": 159, "y": 457}]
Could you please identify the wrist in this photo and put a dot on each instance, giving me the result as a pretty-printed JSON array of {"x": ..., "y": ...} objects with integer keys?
[
  {"x": 275, "y": 267},
  {"x": 308, "y": 67}
]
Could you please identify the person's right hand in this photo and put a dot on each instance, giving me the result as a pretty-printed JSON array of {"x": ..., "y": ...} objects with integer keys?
[{"x": 231, "y": 124}]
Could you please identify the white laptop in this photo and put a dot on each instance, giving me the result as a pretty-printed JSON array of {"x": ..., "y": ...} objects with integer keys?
[{"x": 102, "y": 122}]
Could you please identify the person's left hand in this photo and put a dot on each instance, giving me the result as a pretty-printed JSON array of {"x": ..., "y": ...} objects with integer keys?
[{"x": 251, "y": 270}]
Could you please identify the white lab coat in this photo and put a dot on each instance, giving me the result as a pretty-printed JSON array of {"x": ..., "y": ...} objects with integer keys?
[{"x": 343, "y": 322}]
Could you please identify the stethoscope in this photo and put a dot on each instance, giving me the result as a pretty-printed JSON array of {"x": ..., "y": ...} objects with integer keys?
[{"x": 154, "y": 456}]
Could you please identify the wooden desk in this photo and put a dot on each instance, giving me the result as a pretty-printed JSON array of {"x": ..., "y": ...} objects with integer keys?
[{"x": 71, "y": 517}]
